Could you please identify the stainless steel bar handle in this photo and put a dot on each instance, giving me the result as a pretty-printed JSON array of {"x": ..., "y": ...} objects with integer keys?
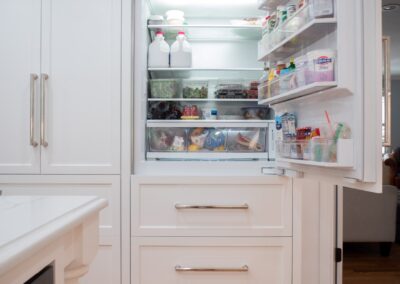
[
  {"x": 32, "y": 141},
  {"x": 187, "y": 206},
  {"x": 180, "y": 268},
  {"x": 43, "y": 78}
]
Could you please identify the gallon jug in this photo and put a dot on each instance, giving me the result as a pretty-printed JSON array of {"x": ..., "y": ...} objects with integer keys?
[
  {"x": 181, "y": 52},
  {"x": 159, "y": 52}
]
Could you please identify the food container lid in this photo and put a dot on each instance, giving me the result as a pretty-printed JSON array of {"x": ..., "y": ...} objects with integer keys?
[
  {"x": 156, "y": 18},
  {"x": 176, "y": 14}
]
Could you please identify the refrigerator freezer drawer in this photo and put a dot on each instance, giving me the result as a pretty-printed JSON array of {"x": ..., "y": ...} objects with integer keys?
[
  {"x": 188, "y": 209},
  {"x": 212, "y": 260}
]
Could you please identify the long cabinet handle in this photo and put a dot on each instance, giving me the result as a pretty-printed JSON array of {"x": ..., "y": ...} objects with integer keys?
[
  {"x": 32, "y": 141},
  {"x": 188, "y": 206},
  {"x": 180, "y": 268},
  {"x": 43, "y": 79}
]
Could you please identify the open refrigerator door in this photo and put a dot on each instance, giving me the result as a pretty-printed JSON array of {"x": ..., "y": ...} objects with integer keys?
[{"x": 324, "y": 85}]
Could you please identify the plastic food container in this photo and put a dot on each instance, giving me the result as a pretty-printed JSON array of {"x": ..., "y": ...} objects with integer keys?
[
  {"x": 230, "y": 90},
  {"x": 195, "y": 89},
  {"x": 320, "y": 66},
  {"x": 156, "y": 20},
  {"x": 246, "y": 140},
  {"x": 164, "y": 88},
  {"x": 167, "y": 139},
  {"x": 175, "y": 17},
  {"x": 257, "y": 113}
]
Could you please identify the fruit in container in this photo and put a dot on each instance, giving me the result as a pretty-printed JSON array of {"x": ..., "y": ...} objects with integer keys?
[
  {"x": 190, "y": 112},
  {"x": 195, "y": 89}
]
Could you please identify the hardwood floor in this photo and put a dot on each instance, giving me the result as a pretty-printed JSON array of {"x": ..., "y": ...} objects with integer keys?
[{"x": 363, "y": 264}]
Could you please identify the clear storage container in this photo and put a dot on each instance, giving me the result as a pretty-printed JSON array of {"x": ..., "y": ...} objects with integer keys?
[
  {"x": 167, "y": 139},
  {"x": 194, "y": 89},
  {"x": 246, "y": 140},
  {"x": 284, "y": 84},
  {"x": 230, "y": 89},
  {"x": 164, "y": 88}
]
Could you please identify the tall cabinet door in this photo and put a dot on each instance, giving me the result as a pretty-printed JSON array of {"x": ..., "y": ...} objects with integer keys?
[
  {"x": 81, "y": 58},
  {"x": 19, "y": 65}
]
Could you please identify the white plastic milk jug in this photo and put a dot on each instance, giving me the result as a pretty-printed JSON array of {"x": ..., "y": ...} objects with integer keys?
[
  {"x": 181, "y": 52},
  {"x": 159, "y": 52}
]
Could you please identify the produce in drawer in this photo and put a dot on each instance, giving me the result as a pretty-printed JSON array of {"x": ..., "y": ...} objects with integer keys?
[
  {"x": 215, "y": 140},
  {"x": 197, "y": 138},
  {"x": 207, "y": 139},
  {"x": 246, "y": 140},
  {"x": 167, "y": 140}
]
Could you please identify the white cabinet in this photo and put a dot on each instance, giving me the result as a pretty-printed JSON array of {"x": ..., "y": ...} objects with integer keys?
[
  {"x": 212, "y": 260},
  {"x": 19, "y": 57},
  {"x": 211, "y": 229},
  {"x": 106, "y": 266},
  {"x": 209, "y": 206},
  {"x": 73, "y": 47}
]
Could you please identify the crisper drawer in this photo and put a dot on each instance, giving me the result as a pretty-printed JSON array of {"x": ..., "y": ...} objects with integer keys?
[
  {"x": 212, "y": 206},
  {"x": 212, "y": 260}
]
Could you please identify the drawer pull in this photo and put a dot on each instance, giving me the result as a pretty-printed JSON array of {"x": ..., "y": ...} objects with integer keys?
[
  {"x": 179, "y": 268},
  {"x": 187, "y": 206}
]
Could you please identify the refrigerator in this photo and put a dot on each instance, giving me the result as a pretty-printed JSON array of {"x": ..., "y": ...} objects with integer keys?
[{"x": 333, "y": 93}]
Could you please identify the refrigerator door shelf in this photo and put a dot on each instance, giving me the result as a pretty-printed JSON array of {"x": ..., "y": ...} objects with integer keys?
[{"x": 301, "y": 30}]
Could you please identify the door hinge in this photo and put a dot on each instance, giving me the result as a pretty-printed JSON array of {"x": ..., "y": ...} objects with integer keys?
[
  {"x": 338, "y": 255},
  {"x": 281, "y": 172}
]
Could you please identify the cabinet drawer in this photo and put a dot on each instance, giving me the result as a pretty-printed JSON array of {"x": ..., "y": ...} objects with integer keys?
[
  {"x": 210, "y": 206},
  {"x": 234, "y": 260}
]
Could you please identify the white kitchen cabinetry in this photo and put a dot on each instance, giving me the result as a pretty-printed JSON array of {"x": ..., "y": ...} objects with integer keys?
[
  {"x": 212, "y": 260},
  {"x": 200, "y": 206},
  {"x": 19, "y": 57},
  {"x": 106, "y": 266},
  {"x": 71, "y": 104},
  {"x": 211, "y": 229}
]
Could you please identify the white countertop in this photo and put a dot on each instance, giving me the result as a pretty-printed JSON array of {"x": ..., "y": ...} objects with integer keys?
[{"x": 27, "y": 223}]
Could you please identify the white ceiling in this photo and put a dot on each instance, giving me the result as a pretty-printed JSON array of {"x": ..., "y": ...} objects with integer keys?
[{"x": 391, "y": 27}]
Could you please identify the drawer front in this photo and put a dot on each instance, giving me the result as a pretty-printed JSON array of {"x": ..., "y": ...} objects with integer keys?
[
  {"x": 212, "y": 206},
  {"x": 211, "y": 261}
]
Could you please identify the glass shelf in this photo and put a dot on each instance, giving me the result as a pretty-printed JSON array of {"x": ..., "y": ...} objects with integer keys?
[
  {"x": 209, "y": 32},
  {"x": 156, "y": 123},
  {"x": 201, "y": 100},
  {"x": 227, "y": 73}
]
